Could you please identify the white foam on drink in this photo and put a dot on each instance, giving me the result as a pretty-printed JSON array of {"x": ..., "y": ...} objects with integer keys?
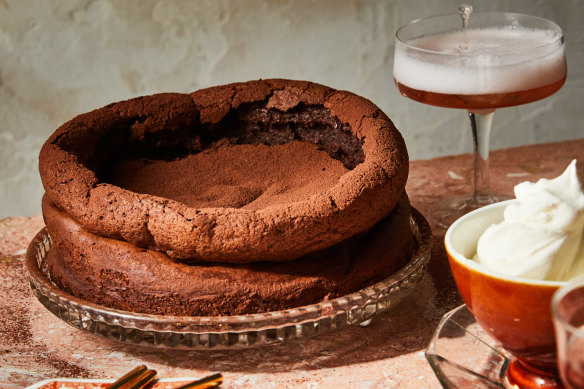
[{"x": 480, "y": 61}]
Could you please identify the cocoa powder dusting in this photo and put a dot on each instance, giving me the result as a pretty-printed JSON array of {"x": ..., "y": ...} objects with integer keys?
[
  {"x": 62, "y": 367},
  {"x": 17, "y": 333},
  {"x": 238, "y": 176},
  {"x": 14, "y": 325}
]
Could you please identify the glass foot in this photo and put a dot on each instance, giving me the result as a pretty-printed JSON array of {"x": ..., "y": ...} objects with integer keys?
[
  {"x": 522, "y": 375},
  {"x": 463, "y": 355}
]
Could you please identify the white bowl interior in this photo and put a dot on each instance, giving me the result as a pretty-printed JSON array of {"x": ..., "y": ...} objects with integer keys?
[{"x": 462, "y": 237}]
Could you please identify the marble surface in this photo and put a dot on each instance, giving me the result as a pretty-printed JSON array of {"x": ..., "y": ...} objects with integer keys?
[{"x": 35, "y": 345}]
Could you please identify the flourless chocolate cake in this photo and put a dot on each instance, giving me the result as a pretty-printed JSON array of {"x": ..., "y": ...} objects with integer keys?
[{"x": 241, "y": 198}]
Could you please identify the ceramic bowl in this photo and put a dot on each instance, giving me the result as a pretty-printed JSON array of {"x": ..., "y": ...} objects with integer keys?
[{"x": 514, "y": 311}]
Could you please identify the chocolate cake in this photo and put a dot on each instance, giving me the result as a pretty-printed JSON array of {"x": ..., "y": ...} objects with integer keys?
[{"x": 240, "y": 198}]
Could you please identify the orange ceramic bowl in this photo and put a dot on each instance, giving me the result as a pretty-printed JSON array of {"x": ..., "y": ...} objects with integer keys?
[{"x": 514, "y": 311}]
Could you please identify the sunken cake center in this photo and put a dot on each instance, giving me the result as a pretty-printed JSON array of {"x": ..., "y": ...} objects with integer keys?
[
  {"x": 234, "y": 176},
  {"x": 253, "y": 158}
]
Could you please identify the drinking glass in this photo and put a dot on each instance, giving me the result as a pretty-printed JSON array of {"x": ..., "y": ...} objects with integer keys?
[
  {"x": 568, "y": 315},
  {"x": 479, "y": 62}
]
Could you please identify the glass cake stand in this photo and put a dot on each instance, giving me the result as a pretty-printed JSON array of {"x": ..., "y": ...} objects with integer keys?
[{"x": 229, "y": 332}]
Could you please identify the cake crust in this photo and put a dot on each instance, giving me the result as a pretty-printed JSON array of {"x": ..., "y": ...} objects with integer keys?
[{"x": 73, "y": 160}]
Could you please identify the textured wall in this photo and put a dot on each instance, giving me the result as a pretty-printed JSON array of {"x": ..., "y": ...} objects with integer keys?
[{"x": 62, "y": 58}]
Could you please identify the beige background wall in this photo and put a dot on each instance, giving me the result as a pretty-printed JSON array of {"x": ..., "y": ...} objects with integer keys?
[{"x": 62, "y": 58}]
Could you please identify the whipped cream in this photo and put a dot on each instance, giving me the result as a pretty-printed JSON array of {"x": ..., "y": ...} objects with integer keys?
[{"x": 542, "y": 235}]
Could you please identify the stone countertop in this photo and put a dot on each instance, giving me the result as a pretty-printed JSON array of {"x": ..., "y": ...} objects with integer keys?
[{"x": 36, "y": 345}]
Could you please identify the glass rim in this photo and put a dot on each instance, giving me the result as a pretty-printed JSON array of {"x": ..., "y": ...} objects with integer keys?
[
  {"x": 570, "y": 286},
  {"x": 554, "y": 26}
]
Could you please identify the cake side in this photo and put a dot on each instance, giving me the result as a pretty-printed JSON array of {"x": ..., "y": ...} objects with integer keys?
[{"x": 119, "y": 275}]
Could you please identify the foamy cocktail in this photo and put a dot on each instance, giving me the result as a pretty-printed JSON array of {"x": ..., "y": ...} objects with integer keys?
[
  {"x": 484, "y": 68},
  {"x": 479, "y": 62}
]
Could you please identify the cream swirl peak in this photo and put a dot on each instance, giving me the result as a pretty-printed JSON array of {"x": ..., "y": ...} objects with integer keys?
[{"x": 542, "y": 234}]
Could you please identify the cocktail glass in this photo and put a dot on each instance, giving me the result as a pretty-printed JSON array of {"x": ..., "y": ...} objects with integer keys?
[
  {"x": 568, "y": 314},
  {"x": 479, "y": 63}
]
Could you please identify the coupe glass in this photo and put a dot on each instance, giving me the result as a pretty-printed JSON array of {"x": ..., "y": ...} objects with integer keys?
[{"x": 479, "y": 63}]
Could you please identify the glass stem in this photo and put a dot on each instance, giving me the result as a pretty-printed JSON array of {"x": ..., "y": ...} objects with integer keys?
[{"x": 480, "y": 122}]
